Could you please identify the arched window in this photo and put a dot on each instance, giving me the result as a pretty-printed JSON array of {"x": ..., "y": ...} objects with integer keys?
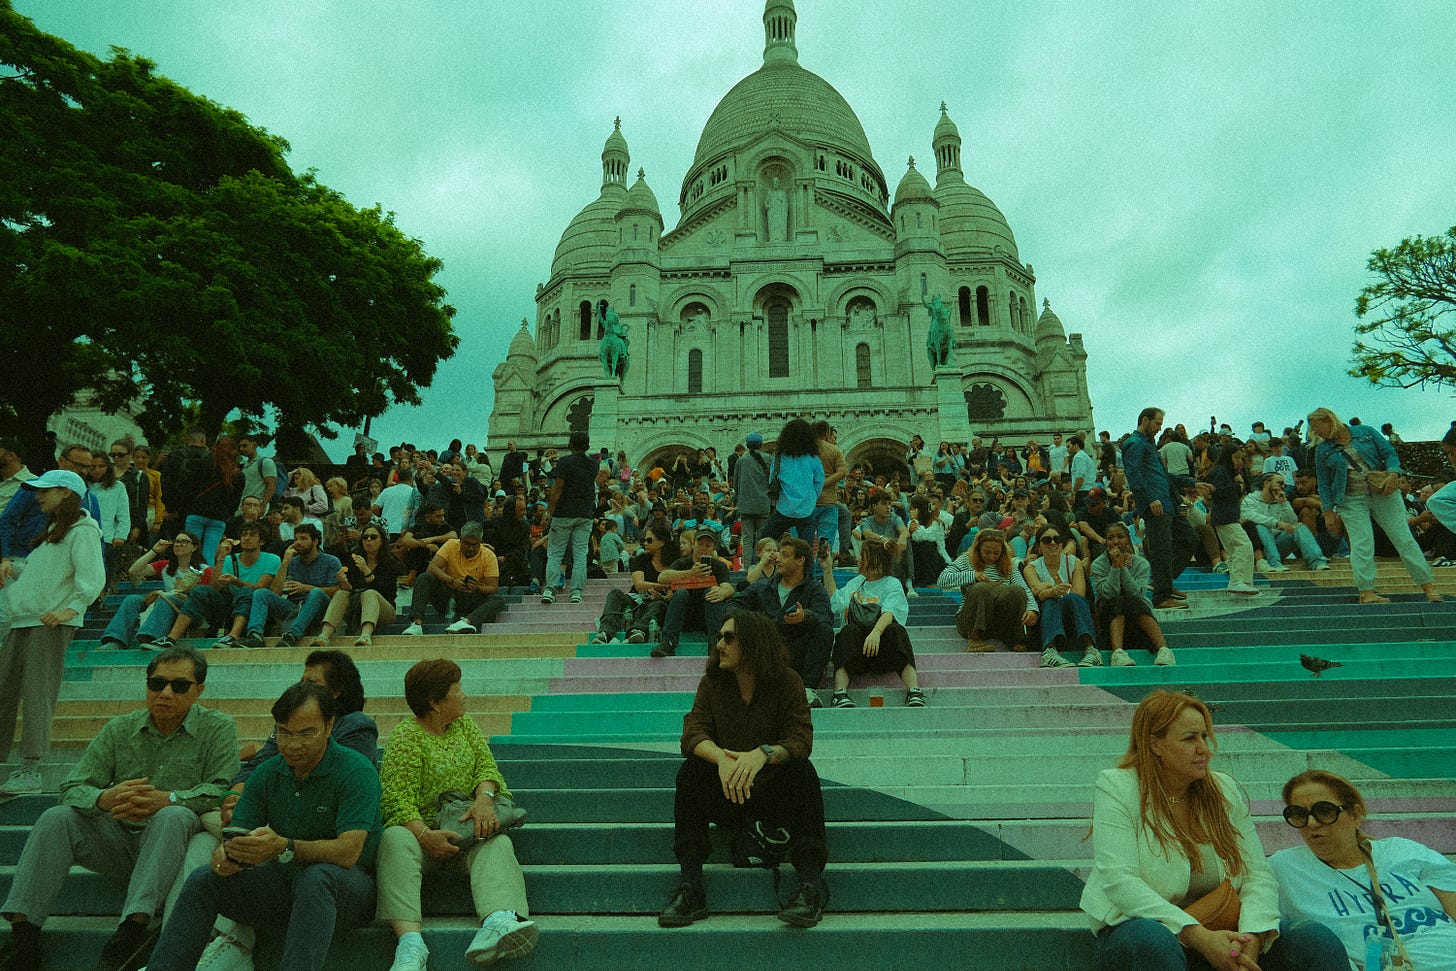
[
  {"x": 964, "y": 303},
  {"x": 778, "y": 338},
  {"x": 695, "y": 371},
  {"x": 1025, "y": 320},
  {"x": 1011, "y": 308},
  {"x": 983, "y": 306},
  {"x": 862, "y": 366},
  {"x": 585, "y": 324},
  {"x": 632, "y": 295},
  {"x": 634, "y": 232},
  {"x": 924, "y": 286}
]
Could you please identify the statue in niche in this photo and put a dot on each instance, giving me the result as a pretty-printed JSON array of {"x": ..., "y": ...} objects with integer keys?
[
  {"x": 938, "y": 343},
  {"x": 776, "y": 206},
  {"x": 578, "y": 416},
  {"x": 697, "y": 322},
  {"x": 614, "y": 346},
  {"x": 862, "y": 317},
  {"x": 985, "y": 402}
]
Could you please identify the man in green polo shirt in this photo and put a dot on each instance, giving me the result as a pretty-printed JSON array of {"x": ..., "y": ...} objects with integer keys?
[
  {"x": 313, "y": 821},
  {"x": 129, "y": 808}
]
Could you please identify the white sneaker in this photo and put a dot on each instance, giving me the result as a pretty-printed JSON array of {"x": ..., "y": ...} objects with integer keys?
[
  {"x": 1121, "y": 659},
  {"x": 461, "y": 626},
  {"x": 1091, "y": 658},
  {"x": 576, "y": 596},
  {"x": 1164, "y": 658},
  {"x": 413, "y": 630},
  {"x": 1051, "y": 659},
  {"x": 1322, "y": 567},
  {"x": 1261, "y": 565},
  {"x": 410, "y": 956},
  {"x": 22, "y": 782},
  {"x": 502, "y": 935},
  {"x": 226, "y": 953},
  {"x": 912, "y": 592},
  {"x": 1242, "y": 588}
]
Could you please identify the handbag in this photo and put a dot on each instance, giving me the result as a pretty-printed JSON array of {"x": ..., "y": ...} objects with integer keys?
[
  {"x": 1382, "y": 483},
  {"x": 863, "y": 614},
  {"x": 1217, "y": 910},
  {"x": 453, "y": 804}
]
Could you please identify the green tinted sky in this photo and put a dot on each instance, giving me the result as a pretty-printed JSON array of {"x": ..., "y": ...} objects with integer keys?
[{"x": 1197, "y": 185}]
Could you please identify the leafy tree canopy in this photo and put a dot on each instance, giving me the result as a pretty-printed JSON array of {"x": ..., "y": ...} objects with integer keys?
[
  {"x": 155, "y": 243},
  {"x": 1409, "y": 340}
]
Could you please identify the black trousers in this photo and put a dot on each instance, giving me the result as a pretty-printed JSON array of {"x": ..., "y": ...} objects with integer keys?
[
  {"x": 786, "y": 795},
  {"x": 808, "y": 652}
]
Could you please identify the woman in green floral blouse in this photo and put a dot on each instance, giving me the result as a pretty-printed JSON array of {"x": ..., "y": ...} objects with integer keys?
[{"x": 442, "y": 750}]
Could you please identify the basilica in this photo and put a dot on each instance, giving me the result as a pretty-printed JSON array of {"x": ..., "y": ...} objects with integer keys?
[{"x": 794, "y": 284}]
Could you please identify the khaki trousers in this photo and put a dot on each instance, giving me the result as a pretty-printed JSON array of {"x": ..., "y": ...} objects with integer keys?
[{"x": 496, "y": 880}]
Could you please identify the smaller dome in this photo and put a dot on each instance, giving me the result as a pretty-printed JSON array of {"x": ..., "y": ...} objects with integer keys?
[
  {"x": 640, "y": 197},
  {"x": 913, "y": 187},
  {"x": 945, "y": 128},
  {"x": 1049, "y": 325},
  {"x": 616, "y": 141},
  {"x": 522, "y": 345}
]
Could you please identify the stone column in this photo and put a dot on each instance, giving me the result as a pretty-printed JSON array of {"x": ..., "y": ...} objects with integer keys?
[
  {"x": 604, "y": 430},
  {"x": 950, "y": 402}
]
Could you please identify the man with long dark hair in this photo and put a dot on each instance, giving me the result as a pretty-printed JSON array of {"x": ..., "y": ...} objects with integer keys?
[{"x": 746, "y": 746}]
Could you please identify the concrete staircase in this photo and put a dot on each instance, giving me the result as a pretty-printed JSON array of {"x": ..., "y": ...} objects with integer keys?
[{"x": 956, "y": 832}]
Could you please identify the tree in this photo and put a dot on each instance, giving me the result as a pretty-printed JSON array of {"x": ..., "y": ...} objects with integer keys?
[
  {"x": 1412, "y": 341},
  {"x": 154, "y": 243}
]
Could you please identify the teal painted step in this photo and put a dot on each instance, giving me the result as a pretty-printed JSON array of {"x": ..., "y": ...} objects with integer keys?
[
  {"x": 642, "y": 889},
  {"x": 1043, "y": 941}
]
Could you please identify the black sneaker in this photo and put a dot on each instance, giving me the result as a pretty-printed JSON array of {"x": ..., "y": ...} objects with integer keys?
[
  {"x": 663, "y": 650},
  {"x": 915, "y": 698},
  {"x": 289, "y": 639},
  {"x": 841, "y": 700},
  {"x": 689, "y": 903},
  {"x": 635, "y": 636},
  {"x": 22, "y": 951},
  {"x": 806, "y": 908},
  {"x": 128, "y": 948},
  {"x": 250, "y": 639}
]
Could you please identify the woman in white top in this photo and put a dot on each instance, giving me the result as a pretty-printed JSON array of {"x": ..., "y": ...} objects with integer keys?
[
  {"x": 1167, "y": 832},
  {"x": 115, "y": 506},
  {"x": 1059, "y": 581},
  {"x": 865, "y": 646},
  {"x": 1331, "y": 877}
]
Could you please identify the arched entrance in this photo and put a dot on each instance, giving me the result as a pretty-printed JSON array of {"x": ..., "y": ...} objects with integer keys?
[{"x": 879, "y": 456}]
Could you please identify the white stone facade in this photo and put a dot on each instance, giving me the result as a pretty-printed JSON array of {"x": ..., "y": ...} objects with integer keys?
[{"x": 794, "y": 285}]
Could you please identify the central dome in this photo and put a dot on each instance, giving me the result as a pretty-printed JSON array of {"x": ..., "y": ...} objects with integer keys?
[{"x": 782, "y": 96}]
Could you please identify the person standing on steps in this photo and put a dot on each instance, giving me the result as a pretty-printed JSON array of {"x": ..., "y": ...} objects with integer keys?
[
  {"x": 746, "y": 745},
  {"x": 569, "y": 516},
  {"x": 1168, "y": 540}
]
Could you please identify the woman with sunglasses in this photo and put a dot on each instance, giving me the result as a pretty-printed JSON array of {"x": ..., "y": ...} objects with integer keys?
[
  {"x": 1168, "y": 832},
  {"x": 180, "y": 565},
  {"x": 1059, "y": 582},
  {"x": 746, "y": 745},
  {"x": 368, "y": 585},
  {"x": 1331, "y": 877}
]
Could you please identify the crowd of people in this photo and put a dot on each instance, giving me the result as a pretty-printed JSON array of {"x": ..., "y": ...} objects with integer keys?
[{"x": 1062, "y": 548}]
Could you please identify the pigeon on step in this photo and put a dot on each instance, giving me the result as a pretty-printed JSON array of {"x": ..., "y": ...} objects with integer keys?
[{"x": 1318, "y": 665}]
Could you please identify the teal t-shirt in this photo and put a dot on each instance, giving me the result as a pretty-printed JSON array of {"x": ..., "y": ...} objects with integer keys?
[{"x": 339, "y": 795}]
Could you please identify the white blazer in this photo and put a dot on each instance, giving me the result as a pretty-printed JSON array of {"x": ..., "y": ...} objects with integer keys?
[{"x": 1133, "y": 877}]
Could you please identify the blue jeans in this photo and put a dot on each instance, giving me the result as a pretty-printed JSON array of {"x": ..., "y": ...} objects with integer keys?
[
  {"x": 1278, "y": 544},
  {"x": 576, "y": 531},
  {"x": 678, "y": 610},
  {"x": 124, "y": 626},
  {"x": 216, "y": 606},
  {"x": 267, "y": 605},
  {"x": 826, "y": 525},
  {"x": 207, "y": 531},
  {"x": 1141, "y": 944},
  {"x": 1054, "y": 613},
  {"x": 312, "y": 900}
]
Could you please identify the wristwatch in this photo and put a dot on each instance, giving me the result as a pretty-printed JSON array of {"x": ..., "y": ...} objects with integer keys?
[
  {"x": 767, "y": 750},
  {"x": 287, "y": 855}
]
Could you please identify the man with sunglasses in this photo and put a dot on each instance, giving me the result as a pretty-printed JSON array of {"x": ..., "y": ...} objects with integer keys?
[{"x": 128, "y": 808}]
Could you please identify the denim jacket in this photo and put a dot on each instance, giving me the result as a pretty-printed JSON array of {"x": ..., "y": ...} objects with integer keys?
[{"x": 1332, "y": 469}]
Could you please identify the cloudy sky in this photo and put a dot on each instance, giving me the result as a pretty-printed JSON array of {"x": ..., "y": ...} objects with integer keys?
[{"x": 1198, "y": 185}]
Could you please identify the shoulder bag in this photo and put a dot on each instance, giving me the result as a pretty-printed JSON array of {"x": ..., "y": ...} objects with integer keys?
[{"x": 453, "y": 804}]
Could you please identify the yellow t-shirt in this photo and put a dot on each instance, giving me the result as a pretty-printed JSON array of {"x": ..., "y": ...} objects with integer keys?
[{"x": 482, "y": 566}]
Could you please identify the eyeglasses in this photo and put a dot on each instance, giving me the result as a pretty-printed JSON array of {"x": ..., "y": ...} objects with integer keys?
[
  {"x": 727, "y": 636},
  {"x": 183, "y": 542},
  {"x": 119, "y": 455},
  {"x": 1323, "y": 812},
  {"x": 1051, "y": 539},
  {"x": 179, "y": 686},
  {"x": 284, "y": 737}
]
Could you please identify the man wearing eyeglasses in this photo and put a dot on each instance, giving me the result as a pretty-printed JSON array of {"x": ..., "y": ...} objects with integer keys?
[
  {"x": 312, "y": 824},
  {"x": 128, "y": 808}
]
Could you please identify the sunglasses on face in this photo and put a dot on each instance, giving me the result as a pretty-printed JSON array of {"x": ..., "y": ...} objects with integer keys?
[
  {"x": 1051, "y": 539},
  {"x": 1323, "y": 812},
  {"x": 179, "y": 686},
  {"x": 727, "y": 636}
]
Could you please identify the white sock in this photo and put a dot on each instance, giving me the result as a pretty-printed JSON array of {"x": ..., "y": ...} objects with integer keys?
[{"x": 413, "y": 936}]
